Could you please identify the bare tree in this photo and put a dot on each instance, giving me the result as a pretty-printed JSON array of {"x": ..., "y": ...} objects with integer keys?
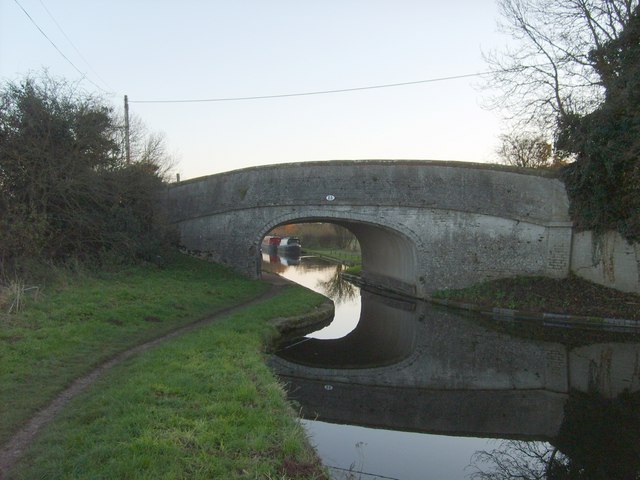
[
  {"x": 525, "y": 150},
  {"x": 338, "y": 288},
  {"x": 147, "y": 147},
  {"x": 549, "y": 71},
  {"x": 516, "y": 459},
  {"x": 597, "y": 440}
]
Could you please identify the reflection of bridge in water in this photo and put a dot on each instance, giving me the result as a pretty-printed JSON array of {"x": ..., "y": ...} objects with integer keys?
[{"x": 408, "y": 366}]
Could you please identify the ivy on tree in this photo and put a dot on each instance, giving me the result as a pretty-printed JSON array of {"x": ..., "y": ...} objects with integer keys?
[{"x": 604, "y": 181}]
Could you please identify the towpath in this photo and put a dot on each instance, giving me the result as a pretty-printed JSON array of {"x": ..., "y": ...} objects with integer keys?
[{"x": 13, "y": 449}]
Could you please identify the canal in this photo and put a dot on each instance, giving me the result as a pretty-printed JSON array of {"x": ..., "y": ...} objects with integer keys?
[{"x": 399, "y": 389}]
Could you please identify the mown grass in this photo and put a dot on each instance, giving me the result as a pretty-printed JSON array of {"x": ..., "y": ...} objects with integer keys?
[
  {"x": 71, "y": 329},
  {"x": 353, "y": 270},
  {"x": 201, "y": 406},
  {"x": 347, "y": 256}
]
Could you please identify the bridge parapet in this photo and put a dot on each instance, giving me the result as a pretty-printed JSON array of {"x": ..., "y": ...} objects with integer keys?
[
  {"x": 457, "y": 186},
  {"x": 422, "y": 224}
]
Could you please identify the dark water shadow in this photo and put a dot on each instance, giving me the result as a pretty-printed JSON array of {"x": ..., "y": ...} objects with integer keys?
[{"x": 384, "y": 335}]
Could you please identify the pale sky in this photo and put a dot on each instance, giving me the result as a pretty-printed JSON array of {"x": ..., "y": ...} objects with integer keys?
[{"x": 188, "y": 49}]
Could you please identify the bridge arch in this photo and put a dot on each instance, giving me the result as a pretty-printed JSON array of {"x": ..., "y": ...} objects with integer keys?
[
  {"x": 389, "y": 250},
  {"x": 422, "y": 225}
]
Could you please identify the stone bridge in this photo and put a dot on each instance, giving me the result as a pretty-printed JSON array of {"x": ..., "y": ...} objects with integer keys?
[{"x": 421, "y": 225}]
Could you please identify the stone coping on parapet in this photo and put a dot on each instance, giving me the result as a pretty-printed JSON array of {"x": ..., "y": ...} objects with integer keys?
[
  {"x": 544, "y": 318},
  {"x": 537, "y": 172}
]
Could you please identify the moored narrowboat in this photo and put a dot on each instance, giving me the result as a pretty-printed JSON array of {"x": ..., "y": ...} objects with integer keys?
[{"x": 273, "y": 244}]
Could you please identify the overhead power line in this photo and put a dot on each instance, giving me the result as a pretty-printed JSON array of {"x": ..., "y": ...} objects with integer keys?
[
  {"x": 321, "y": 92},
  {"x": 73, "y": 45},
  {"x": 84, "y": 75}
]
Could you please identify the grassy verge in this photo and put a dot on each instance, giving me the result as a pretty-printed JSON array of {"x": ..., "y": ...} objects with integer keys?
[
  {"x": 572, "y": 295},
  {"x": 200, "y": 406},
  {"x": 345, "y": 256},
  {"x": 70, "y": 330},
  {"x": 353, "y": 270}
]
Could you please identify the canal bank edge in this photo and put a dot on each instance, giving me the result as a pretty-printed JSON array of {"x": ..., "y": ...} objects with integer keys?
[
  {"x": 322, "y": 316},
  {"x": 310, "y": 321},
  {"x": 543, "y": 318},
  {"x": 498, "y": 313},
  {"x": 12, "y": 450}
]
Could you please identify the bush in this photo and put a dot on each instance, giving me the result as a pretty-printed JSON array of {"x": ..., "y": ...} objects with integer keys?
[{"x": 66, "y": 190}]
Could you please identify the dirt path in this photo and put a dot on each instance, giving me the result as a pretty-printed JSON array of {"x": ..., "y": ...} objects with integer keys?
[{"x": 13, "y": 449}]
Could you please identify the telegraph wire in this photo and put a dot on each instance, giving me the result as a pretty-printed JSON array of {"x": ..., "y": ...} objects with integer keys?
[
  {"x": 84, "y": 75},
  {"x": 320, "y": 92},
  {"x": 73, "y": 45}
]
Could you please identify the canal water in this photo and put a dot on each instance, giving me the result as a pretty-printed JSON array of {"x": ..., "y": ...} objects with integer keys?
[{"x": 397, "y": 389}]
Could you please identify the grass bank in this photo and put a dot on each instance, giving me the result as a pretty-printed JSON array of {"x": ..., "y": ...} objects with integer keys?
[
  {"x": 572, "y": 296},
  {"x": 186, "y": 409},
  {"x": 343, "y": 256}
]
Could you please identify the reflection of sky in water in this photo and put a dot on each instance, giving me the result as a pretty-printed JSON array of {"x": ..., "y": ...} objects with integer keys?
[
  {"x": 347, "y": 312},
  {"x": 598, "y": 430},
  {"x": 354, "y": 452},
  {"x": 345, "y": 320},
  {"x": 387, "y": 453},
  {"x": 384, "y": 453}
]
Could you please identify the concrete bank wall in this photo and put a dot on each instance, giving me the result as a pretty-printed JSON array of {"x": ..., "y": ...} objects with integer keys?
[{"x": 607, "y": 259}]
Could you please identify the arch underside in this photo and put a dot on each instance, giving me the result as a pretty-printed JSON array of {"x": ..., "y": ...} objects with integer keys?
[
  {"x": 389, "y": 256},
  {"x": 409, "y": 250}
]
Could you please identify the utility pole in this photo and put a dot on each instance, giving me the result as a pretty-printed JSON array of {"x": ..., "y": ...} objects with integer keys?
[{"x": 127, "y": 145}]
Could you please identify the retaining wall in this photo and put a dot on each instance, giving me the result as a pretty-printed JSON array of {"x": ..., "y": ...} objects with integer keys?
[{"x": 607, "y": 259}]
